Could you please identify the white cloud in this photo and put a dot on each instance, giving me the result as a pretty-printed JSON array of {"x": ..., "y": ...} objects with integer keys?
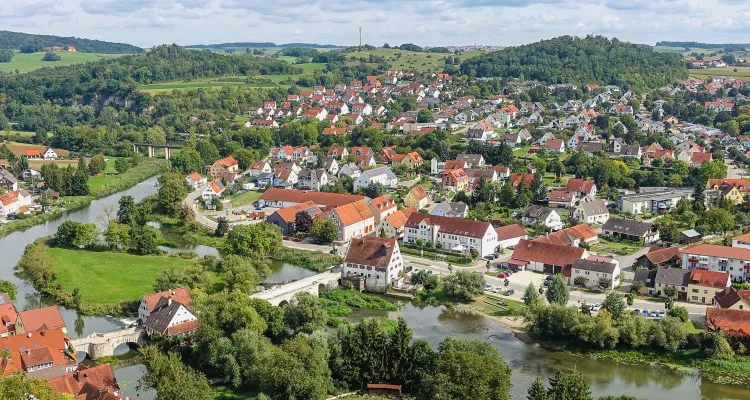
[{"x": 426, "y": 22}]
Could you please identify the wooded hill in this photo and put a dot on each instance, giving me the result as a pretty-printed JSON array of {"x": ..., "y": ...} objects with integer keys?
[
  {"x": 569, "y": 59},
  {"x": 48, "y": 96},
  {"x": 17, "y": 40},
  {"x": 258, "y": 45}
]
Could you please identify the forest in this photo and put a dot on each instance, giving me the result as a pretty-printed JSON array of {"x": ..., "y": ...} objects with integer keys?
[
  {"x": 569, "y": 59},
  {"x": 16, "y": 40},
  {"x": 75, "y": 94},
  {"x": 728, "y": 47}
]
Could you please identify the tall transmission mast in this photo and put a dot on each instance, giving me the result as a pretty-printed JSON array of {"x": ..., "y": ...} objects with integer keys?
[{"x": 360, "y": 37}]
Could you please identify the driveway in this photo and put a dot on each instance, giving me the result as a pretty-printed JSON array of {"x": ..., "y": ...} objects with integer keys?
[{"x": 733, "y": 171}]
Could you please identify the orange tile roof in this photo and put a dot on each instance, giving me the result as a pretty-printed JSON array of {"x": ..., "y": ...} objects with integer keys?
[
  {"x": 399, "y": 218},
  {"x": 740, "y": 183},
  {"x": 547, "y": 253},
  {"x": 41, "y": 319},
  {"x": 227, "y": 162},
  {"x": 33, "y": 153},
  {"x": 418, "y": 192},
  {"x": 353, "y": 213},
  {"x": 101, "y": 377},
  {"x": 383, "y": 202},
  {"x": 194, "y": 176},
  {"x": 705, "y": 249},
  {"x": 181, "y": 295},
  {"x": 299, "y": 196},
  {"x": 288, "y": 214},
  {"x": 731, "y": 322},
  {"x": 516, "y": 177},
  {"x": 714, "y": 279},
  {"x": 510, "y": 232},
  {"x": 370, "y": 250},
  {"x": 55, "y": 341},
  {"x": 579, "y": 185}
]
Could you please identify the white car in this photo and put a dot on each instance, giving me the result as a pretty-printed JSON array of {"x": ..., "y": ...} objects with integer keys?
[
  {"x": 487, "y": 287},
  {"x": 596, "y": 307},
  {"x": 497, "y": 290}
]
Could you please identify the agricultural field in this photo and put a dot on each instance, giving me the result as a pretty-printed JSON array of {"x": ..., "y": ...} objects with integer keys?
[
  {"x": 742, "y": 72},
  {"x": 29, "y": 62},
  {"x": 20, "y": 148},
  {"x": 413, "y": 60}
]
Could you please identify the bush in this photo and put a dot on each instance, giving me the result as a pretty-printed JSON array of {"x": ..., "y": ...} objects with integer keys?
[{"x": 50, "y": 56}]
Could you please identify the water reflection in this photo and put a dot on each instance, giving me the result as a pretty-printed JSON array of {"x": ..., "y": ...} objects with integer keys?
[{"x": 529, "y": 361}]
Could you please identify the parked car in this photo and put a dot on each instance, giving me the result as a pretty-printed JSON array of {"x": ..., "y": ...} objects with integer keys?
[
  {"x": 596, "y": 307},
  {"x": 487, "y": 287},
  {"x": 503, "y": 275},
  {"x": 496, "y": 290},
  {"x": 654, "y": 313},
  {"x": 429, "y": 272},
  {"x": 334, "y": 251},
  {"x": 409, "y": 268},
  {"x": 645, "y": 312},
  {"x": 287, "y": 238},
  {"x": 661, "y": 314},
  {"x": 416, "y": 270},
  {"x": 490, "y": 257},
  {"x": 296, "y": 240},
  {"x": 509, "y": 292}
]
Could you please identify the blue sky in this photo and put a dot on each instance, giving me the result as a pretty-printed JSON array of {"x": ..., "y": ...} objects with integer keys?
[{"x": 424, "y": 22}]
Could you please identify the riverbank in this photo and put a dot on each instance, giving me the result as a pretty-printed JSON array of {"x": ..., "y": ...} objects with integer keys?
[
  {"x": 735, "y": 371},
  {"x": 145, "y": 169}
]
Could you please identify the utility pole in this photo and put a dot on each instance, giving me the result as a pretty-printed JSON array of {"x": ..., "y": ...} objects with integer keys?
[{"x": 360, "y": 38}]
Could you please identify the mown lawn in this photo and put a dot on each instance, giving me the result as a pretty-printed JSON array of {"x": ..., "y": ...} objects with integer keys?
[
  {"x": 246, "y": 198},
  {"x": 105, "y": 278},
  {"x": 29, "y": 62}
]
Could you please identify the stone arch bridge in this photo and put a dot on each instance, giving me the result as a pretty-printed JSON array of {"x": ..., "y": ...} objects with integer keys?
[
  {"x": 284, "y": 294},
  {"x": 99, "y": 345}
]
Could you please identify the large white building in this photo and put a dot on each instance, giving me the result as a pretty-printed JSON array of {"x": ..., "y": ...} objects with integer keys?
[
  {"x": 377, "y": 260},
  {"x": 353, "y": 219},
  {"x": 734, "y": 260},
  {"x": 456, "y": 234},
  {"x": 381, "y": 175}
]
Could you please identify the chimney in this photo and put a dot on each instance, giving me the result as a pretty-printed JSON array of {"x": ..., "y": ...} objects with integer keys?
[
  {"x": 173, "y": 293},
  {"x": 169, "y": 301},
  {"x": 28, "y": 335}
]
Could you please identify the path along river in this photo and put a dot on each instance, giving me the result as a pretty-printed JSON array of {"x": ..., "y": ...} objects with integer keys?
[{"x": 431, "y": 323}]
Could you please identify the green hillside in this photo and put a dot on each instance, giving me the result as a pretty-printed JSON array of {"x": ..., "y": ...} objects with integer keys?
[
  {"x": 29, "y": 62},
  {"x": 412, "y": 60},
  {"x": 569, "y": 59},
  {"x": 18, "y": 40}
]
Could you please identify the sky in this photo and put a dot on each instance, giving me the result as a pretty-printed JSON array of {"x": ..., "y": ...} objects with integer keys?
[{"x": 424, "y": 22}]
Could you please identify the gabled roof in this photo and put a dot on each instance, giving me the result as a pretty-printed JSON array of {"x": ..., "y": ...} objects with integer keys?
[
  {"x": 731, "y": 296},
  {"x": 398, "y": 219},
  {"x": 537, "y": 212},
  {"x": 181, "y": 295},
  {"x": 85, "y": 381},
  {"x": 418, "y": 192},
  {"x": 289, "y": 214},
  {"x": 595, "y": 266},
  {"x": 516, "y": 178},
  {"x": 226, "y": 162},
  {"x": 714, "y": 279},
  {"x": 731, "y": 322},
  {"x": 658, "y": 255},
  {"x": 373, "y": 251},
  {"x": 510, "y": 232},
  {"x": 547, "y": 253},
  {"x": 45, "y": 318},
  {"x": 580, "y": 185},
  {"x": 595, "y": 207},
  {"x": 450, "y": 225},
  {"x": 627, "y": 226},
  {"x": 713, "y": 250},
  {"x": 300, "y": 196},
  {"x": 353, "y": 212},
  {"x": 48, "y": 345},
  {"x": 160, "y": 319},
  {"x": 672, "y": 276},
  {"x": 384, "y": 202}
]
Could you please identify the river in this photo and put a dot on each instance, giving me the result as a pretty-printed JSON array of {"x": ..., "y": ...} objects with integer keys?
[
  {"x": 528, "y": 361},
  {"x": 430, "y": 323}
]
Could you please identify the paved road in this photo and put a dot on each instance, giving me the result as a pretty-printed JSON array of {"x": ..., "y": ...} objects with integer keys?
[
  {"x": 733, "y": 171},
  {"x": 190, "y": 201}
]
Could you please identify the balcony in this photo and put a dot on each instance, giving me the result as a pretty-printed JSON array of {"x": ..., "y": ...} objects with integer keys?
[{"x": 693, "y": 259}]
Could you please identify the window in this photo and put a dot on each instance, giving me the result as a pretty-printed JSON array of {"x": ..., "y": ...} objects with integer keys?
[
  {"x": 695, "y": 298},
  {"x": 695, "y": 290}
]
